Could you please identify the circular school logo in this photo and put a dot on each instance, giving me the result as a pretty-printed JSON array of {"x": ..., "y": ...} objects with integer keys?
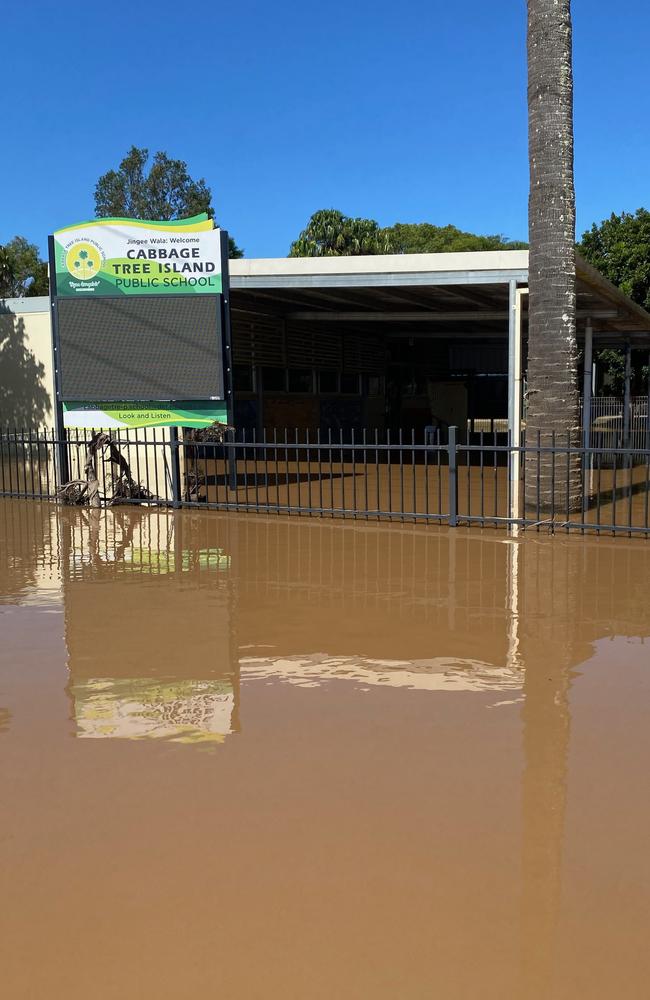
[{"x": 83, "y": 260}]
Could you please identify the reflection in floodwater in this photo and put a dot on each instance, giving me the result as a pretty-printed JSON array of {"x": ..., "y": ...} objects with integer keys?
[
  {"x": 184, "y": 711},
  {"x": 146, "y": 661},
  {"x": 387, "y": 833},
  {"x": 435, "y": 674}
]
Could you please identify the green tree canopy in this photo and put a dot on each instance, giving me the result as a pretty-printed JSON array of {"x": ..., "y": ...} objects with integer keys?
[
  {"x": 330, "y": 233},
  {"x": 22, "y": 272},
  {"x": 424, "y": 237},
  {"x": 165, "y": 191},
  {"x": 620, "y": 249}
]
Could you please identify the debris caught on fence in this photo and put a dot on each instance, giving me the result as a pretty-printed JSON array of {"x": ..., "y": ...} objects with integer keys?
[
  {"x": 86, "y": 492},
  {"x": 195, "y": 479}
]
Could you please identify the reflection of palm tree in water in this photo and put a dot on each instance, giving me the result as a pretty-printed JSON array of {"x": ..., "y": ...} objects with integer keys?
[{"x": 548, "y": 586}]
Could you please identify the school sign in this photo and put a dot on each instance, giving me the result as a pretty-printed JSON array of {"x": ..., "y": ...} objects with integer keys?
[
  {"x": 129, "y": 257},
  {"x": 141, "y": 323}
]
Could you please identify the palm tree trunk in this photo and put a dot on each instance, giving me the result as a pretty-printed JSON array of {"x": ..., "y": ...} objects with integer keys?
[{"x": 552, "y": 344}]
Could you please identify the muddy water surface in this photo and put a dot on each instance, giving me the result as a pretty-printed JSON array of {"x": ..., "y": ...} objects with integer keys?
[{"x": 250, "y": 757}]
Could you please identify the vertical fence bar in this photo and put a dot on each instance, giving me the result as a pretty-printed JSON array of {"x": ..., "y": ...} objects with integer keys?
[
  {"x": 568, "y": 482},
  {"x": 377, "y": 470},
  {"x": 30, "y": 448},
  {"x": 415, "y": 503},
  {"x": 277, "y": 470},
  {"x": 47, "y": 462},
  {"x": 553, "y": 457},
  {"x": 468, "y": 476},
  {"x": 495, "y": 470},
  {"x": 175, "y": 467},
  {"x": 287, "y": 477},
  {"x": 647, "y": 484},
  {"x": 354, "y": 475},
  {"x": 630, "y": 462},
  {"x": 401, "y": 475},
  {"x": 255, "y": 475},
  {"x": 614, "y": 486},
  {"x": 439, "y": 464},
  {"x": 341, "y": 462},
  {"x": 231, "y": 436},
  {"x": 266, "y": 467},
  {"x": 244, "y": 461},
  {"x": 426, "y": 475},
  {"x": 331, "y": 465},
  {"x": 538, "y": 497},
  {"x": 17, "y": 462},
  {"x": 2, "y": 460},
  {"x": 482, "y": 481},
  {"x": 365, "y": 473},
  {"x": 390, "y": 483},
  {"x": 320, "y": 469},
  {"x": 453, "y": 478}
]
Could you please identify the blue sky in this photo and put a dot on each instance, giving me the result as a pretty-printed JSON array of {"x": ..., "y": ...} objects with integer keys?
[{"x": 404, "y": 112}]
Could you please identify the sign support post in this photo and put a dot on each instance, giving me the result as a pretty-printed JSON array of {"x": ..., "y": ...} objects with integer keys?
[
  {"x": 61, "y": 464},
  {"x": 226, "y": 338}
]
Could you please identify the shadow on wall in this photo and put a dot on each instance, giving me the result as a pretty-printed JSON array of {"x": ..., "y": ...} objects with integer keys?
[{"x": 24, "y": 401}]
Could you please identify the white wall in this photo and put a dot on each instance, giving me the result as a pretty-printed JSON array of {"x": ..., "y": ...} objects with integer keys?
[{"x": 26, "y": 375}]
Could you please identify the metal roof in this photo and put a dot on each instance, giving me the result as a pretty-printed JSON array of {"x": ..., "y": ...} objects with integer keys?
[
  {"x": 447, "y": 294},
  {"x": 444, "y": 294}
]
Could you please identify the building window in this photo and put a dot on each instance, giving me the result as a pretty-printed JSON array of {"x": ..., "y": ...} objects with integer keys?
[
  {"x": 374, "y": 385},
  {"x": 274, "y": 379},
  {"x": 328, "y": 382},
  {"x": 301, "y": 380},
  {"x": 243, "y": 378},
  {"x": 350, "y": 384}
]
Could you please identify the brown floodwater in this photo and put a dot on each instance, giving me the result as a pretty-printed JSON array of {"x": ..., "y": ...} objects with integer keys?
[{"x": 293, "y": 758}]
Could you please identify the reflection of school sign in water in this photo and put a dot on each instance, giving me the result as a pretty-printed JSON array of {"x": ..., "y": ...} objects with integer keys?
[
  {"x": 150, "y": 665},
  {"x": 184, "y": 711}
]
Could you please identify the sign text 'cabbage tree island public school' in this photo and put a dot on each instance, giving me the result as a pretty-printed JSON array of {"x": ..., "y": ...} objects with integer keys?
[{"x": 129, "y": 257}]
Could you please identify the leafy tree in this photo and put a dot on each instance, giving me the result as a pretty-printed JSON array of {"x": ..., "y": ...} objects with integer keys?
[
  {"x": 22, "y": 272},
  {"x": 6, "y": 273},
  {"x": 329, "y": 233},
  {"x": 620, "y": 249},
  {"x": 423, "y": 237},
  {"x": 166, "y": 191}
]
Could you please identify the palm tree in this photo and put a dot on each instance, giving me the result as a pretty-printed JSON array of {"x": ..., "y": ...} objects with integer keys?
[{"x": 552, "y": 342}]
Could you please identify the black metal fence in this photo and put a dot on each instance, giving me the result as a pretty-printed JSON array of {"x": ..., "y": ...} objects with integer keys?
[{"x": 424, "y": 477}]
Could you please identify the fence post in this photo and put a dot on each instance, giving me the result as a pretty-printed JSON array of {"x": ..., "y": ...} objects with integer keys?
[
  {"x": 231, "y": 435},
  {"x": 175, "y": 466},
  {"x": 453, "y": 477}
]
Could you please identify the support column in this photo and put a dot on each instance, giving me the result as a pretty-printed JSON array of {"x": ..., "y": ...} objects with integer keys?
[
  {"x": 515, "y": 395},
  {"x": 512, "y": 329},
  {"x": 626, "y": 396},
  {"x": 647, "y": 441},
  {"x": 587, "y": 381}
]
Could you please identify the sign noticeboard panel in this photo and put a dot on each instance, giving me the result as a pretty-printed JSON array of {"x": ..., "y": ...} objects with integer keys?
[
  {"x": 111, "y": 415},
  {"x": 129, "y": 257},
  {"x": 140, "y": 349}
]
